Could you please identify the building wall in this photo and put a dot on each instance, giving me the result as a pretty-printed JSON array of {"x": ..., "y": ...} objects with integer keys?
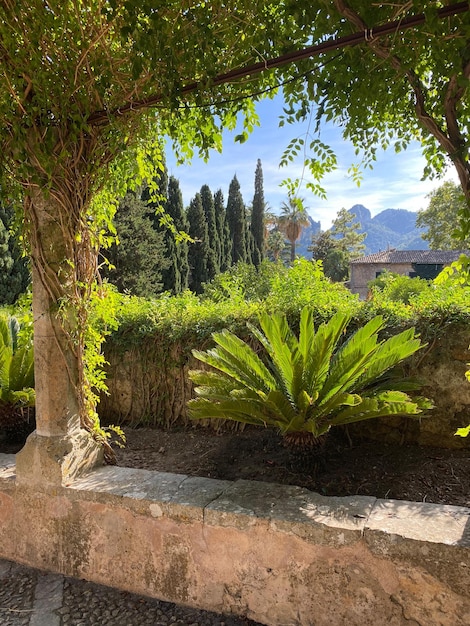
[{"x": 363, "y": 273}]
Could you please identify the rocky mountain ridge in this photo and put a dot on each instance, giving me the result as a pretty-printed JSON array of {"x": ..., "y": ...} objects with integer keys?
[{"x": 391, "y": 228}]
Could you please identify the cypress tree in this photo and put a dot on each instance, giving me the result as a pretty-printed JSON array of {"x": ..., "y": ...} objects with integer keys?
[
  {"x": 198, "y": 251},
  {"x": 213, "y": 266},
  {"x": 225, "y": 258},
  {"x": 140, "y": 256},
  {"x": 236, "y": 218},
  {"x": 175, "y": 278},
  {"x": 14, "y": 270},
  {"x": 175, "y": 275},
  {"x": 257, "y": 217}
]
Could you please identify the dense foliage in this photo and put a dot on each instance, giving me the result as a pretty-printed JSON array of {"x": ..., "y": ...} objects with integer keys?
[
  {"x": 14, "y": 266},
  {"x": 441, "y": 216},
  {"x": 234, "y": 297},
  {"x": 17, "y": 395},
  {"x": 243, "y": 292}
]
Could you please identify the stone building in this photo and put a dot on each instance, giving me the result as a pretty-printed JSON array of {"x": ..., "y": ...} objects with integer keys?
[{"x": 413, "y": 263}]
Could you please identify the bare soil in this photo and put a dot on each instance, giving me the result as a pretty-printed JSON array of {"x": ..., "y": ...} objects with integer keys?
[
  {"x": 406, "y": 472},
  {"x": 343, "y": 467}
]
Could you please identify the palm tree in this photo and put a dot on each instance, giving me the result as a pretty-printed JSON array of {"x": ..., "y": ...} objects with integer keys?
[{"x": 293, "y": 219}]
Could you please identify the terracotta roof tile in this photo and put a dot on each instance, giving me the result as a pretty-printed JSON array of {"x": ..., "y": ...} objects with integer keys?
[{"x": 412, "y": 256}]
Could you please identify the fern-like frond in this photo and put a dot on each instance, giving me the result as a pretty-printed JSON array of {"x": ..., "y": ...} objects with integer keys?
[
  {"x": 382, "y": 405},
  {"x": 282, "y": 348},
  {"x": 389, "y": 354},
  {"x": 351, "y": 360},
  {"x": 318, "y": 357},
  {"x": 236, "y": 359},
  {"x": 238, "y": 410}
]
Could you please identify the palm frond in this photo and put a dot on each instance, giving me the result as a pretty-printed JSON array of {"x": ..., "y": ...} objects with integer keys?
[
  {"x": 306, "y": 384},
  {"x": 351, "y": 360},
  {"x": 318, "y": 357},
  {"x": 281, "y": 346},
  {"x": 389, "y": 354},
  {"x": 383, "y": 405},
  {"x": 236, "y": 359}
]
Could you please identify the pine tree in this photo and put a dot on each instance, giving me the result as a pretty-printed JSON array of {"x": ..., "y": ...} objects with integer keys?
[
  {"x": 213, "y": 266},
  {"x": 198, "y": 250},
  {"x": 236, "y": 219},
  {"x": 225, "y": 259},
  {"x": 346, "y": 231},
  {"x": 14, "y": 271},
  {"x": 257, "y": 217},
  {"x": 175, "y": 277},
  {"x": 140, "y": 256}
]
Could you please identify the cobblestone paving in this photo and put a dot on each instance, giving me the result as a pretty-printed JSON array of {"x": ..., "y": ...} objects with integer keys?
[{"x": 30, "y": 597}]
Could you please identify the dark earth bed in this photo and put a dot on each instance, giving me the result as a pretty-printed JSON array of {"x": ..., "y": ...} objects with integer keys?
[
  {"x": 403, "y": 472},
  {"x": 344, "y": 467}
]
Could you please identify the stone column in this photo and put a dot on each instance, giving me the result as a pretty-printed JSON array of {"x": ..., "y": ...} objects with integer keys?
[{"x": 58, "y": 449}]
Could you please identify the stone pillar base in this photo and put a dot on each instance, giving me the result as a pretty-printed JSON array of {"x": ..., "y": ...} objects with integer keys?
[{"x": 55, "y": 461}]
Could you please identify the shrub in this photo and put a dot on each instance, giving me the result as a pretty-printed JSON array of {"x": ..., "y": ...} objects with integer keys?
[
  {"x": 16, "y": 377},
  {"x": 306, "y": 385},
  {"x": 398, "y": 288}
]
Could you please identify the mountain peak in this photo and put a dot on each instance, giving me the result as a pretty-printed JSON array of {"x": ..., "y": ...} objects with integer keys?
[{"x": 362, "y": 214}]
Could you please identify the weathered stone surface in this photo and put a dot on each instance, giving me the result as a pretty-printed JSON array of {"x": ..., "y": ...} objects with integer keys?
[
  {"x": 421, "y": 522},
  {"x": 311, "y": 516},
  {"x": 279, "y": 555},
  {"x": 173, "y": 495},
  {"x": 55, "y": 460}
]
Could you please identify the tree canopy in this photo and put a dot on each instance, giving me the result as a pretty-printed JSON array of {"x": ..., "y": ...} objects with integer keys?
[
  {"x": 441, "y": 216},
  {"x": 88, "y": 87},
  {"x": 388, "y": 90}
]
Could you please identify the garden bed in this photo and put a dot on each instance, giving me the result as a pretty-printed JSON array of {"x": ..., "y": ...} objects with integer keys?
[
  {"x": 402, "y": 472},
  {"x": 372, "y": 468}
]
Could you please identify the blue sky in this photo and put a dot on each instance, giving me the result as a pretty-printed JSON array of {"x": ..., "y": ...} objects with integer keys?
[{"x": 395, "y": 182}]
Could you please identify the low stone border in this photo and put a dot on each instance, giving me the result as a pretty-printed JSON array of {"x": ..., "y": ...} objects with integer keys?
[{"x": 280, "y": 555}]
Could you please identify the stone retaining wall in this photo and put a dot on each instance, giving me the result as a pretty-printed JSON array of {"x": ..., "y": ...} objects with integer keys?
[
  {"x": 146, "y": 388},
  {"x": 280, "y": 555}
]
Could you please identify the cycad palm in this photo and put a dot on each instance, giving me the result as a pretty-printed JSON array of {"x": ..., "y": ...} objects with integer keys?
[
  {"x": 16, "y": 374},
  {"x": 306, "y": 384}
]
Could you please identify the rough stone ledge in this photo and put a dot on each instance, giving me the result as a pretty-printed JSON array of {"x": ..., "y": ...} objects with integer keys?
[
  {"x": 287, "y": 508},
  {"x": 311, "y": 516},
  {"x": 249, "y": 548}
]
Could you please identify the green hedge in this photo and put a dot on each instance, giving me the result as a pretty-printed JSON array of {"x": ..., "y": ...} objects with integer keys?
[{"x": 154, "y": 338}]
